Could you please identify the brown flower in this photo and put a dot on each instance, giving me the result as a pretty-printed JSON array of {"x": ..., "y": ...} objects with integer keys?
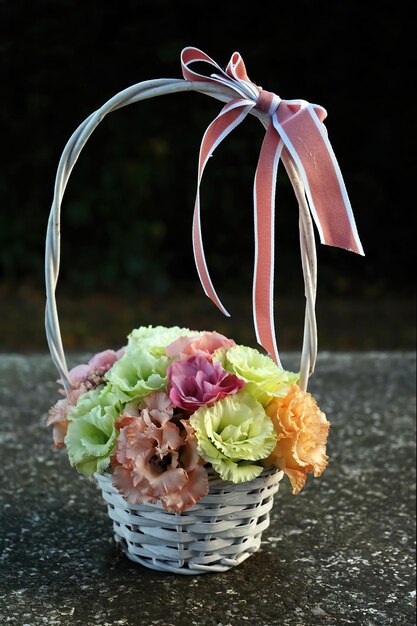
[
  {"x": 302, "y": 430},
  {"x": 156, "y": 457}
]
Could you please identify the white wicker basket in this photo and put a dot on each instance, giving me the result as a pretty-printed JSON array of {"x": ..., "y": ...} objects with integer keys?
[{"x": 220, "y": 531}]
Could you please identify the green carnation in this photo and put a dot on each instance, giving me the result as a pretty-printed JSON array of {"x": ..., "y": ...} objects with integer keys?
[
  {"x": 137, "y": 374},
  {"x": 91, "y": 435},
  {"x": 143, "y": 367},
  {"x": 232, "y": 434},
  {"x": 100, "y": 396},
  {"x": 155, "y": 339},
  {"x": 264, "y": 379}
]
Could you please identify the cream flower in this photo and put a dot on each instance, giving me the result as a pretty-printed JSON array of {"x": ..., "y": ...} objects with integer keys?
[
  {"x": 264, "y": 379},
  {"x": 232, "y": 434},
  {"x": 302, "y": 430},
  {"x": 138, "y": 374},
  {"x": 155, "y": 339},
  {"x": 142, "y": 369}
]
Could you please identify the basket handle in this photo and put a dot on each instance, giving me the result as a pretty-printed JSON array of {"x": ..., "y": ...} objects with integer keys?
[{"x": 143, "y": 91}]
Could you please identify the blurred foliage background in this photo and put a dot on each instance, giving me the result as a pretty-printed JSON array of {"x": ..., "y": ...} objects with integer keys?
[{"x": 126, "y": 247}]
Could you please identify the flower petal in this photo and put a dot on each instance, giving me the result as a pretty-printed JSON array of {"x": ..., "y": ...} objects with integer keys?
[
  {"x": 103, "y": 360},
  {"x": 236, "y": 472},
  {"x": 202, "y": 344},
  {"x": 162, "y": 484},
  {"x": 168, "y": 438},
  {"x": 195, "y": 488},
  {"x": 79, "y": 373},
  {"x": 123, "y": 482},
  {"x": 297, "y": 479},
  {"x": 159, "y": 405},
  {"x": 189, "y": 452}
]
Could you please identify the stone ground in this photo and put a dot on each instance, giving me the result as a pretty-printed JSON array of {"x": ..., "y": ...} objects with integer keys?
[{"x": 342, "y": 552}]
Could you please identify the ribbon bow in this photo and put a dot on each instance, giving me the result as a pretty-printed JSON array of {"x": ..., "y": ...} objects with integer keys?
[{"x": 298, "y": 127}]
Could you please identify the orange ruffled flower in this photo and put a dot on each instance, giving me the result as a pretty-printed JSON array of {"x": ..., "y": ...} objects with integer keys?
[{"x": 302, "y": 430}]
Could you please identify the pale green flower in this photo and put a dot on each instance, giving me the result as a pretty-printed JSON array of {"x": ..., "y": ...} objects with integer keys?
[
  {"x": 155, "y": 339},
  {"x": 232, "y": 434},
  {"x": 91, "y": 435},
  {"x": 100, "y": 396},
  {"x": 264, "y": 379},
  {"x": 143, "y": 367},
  {"x": 137, "y": 374}
]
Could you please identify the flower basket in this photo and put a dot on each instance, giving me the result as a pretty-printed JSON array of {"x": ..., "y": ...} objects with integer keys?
[
  {"x": 186, "y": 433},
  {"x": 222, "y": 530}
]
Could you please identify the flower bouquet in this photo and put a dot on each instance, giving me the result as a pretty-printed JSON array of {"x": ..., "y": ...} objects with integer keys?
[{"x": 176, "y": 411}]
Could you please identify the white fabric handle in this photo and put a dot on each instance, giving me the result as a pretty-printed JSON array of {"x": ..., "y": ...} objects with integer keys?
[{"x": 143, "y": 91}]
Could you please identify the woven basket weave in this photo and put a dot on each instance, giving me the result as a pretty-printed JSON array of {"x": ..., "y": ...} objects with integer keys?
[{"x": 220, "y": 531}]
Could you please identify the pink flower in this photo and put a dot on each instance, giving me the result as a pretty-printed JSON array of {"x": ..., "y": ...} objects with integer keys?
[
  {"x": 57, "y": 418},
  {"x": 159, "y": 407},
  {"x": 202, "y": 345},
  {"x": 83, "y": 378},
  {"x": 92, "y": 373},
  {"x": 156, "y": 458},
  {"x": 197, "y": 381},
  {"x": 58, "y": 415},
  {"x": 105, "y": 359},
  {"x": 96, "y": 366}
]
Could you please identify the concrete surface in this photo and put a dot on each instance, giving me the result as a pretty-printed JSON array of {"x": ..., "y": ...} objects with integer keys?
[{"x": 342, "y": 552}]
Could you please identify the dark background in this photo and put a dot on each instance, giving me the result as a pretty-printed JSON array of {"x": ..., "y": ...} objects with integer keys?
[{"x": 127, "y": 255}]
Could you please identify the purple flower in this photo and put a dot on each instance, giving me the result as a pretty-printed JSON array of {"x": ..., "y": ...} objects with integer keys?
[{"x": 197, "y": 382}]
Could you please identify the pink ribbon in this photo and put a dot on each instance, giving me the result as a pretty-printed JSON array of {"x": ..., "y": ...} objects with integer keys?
[{"x": 294, "y": 125}]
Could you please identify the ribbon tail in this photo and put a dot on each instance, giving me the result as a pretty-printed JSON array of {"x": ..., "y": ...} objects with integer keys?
[
  {"x": 230, "y": 116},
  {"x": 264, "y": 217},
  {"x": 306, "y": 140}
]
